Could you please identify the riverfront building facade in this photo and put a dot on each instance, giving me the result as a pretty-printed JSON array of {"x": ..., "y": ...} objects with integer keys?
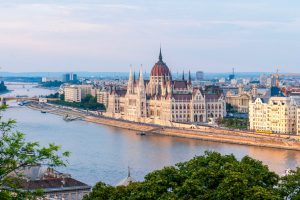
[
  {"x": 72, "y": 93},
  {"x": 240, "y": 101},
  {"x": 75, "y": 93},
  {"x": 275, "y": 115},
  {"x": 162, "y": 100}
]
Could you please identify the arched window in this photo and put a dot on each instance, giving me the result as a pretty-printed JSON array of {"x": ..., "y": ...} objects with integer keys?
[{"x": 201, "y": 118}]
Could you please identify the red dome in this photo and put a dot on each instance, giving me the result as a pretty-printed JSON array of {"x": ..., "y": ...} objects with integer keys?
[{"x": 160, "y": 68}]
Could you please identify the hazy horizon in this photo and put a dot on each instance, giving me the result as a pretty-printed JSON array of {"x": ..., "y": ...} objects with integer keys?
[{"x": 109, "y": 36}]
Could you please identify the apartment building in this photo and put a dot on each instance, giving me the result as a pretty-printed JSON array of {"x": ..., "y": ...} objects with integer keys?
[
  {"x": 275, "y": 115},
  {"x": 72, "y": 93}
]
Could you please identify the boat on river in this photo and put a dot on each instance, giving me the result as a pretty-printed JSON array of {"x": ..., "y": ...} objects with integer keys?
[
  {"x": 70, "y": 118},
  {"x": 141, "y": 133}
]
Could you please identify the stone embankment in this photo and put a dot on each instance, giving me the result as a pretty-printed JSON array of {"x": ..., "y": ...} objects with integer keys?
[{"x": 202, "y": 133}]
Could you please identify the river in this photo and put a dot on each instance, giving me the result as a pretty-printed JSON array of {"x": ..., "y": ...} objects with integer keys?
[{"x": 103, "y": 153}]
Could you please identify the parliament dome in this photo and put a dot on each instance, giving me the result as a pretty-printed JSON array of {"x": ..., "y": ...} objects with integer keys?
[{"x": 160, "y": 68}]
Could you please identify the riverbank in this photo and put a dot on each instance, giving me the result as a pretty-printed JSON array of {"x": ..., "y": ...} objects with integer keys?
[{"x": 201, "y": 133}]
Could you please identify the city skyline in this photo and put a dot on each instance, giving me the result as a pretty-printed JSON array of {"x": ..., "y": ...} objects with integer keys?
[{"x": 212, "y": 36}]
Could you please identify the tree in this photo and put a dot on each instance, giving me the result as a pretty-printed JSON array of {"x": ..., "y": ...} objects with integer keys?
[
  {"x": 211, "y": 176},
  {"x": 289, "y": 186},
  {"x": 62, "y": 97},
  {"x": 3, "y": 88},
  {"x": 16, "y": 153}
]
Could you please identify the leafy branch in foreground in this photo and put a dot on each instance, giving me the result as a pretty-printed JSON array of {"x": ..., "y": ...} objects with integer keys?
[
  {"x": 211, "y": 176},
  {"x": 16, "y": 154}
]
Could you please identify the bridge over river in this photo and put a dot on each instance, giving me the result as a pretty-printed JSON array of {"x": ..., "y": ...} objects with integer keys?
[{"x": 3, "y": 100}]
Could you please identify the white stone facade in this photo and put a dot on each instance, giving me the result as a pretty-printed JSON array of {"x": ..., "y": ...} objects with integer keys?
[
  {"x": 163, "y": 101},
  {"x": 275, "y": 115}
]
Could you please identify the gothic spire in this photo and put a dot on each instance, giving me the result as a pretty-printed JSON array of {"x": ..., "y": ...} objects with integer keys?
[
  {"x": 160, "y": 56},
  {"x": 183, "y": 75},
  {"x": 130, "y": 74},
  {"x": 130, "y": 82},
  {"x": 141, "y": 77},
  {"x": 190, "y": 78},
  {"x": 128, "y": 175}
]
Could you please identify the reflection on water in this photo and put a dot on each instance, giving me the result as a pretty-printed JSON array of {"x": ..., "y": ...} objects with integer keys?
[{"x": 102, "y": 153}]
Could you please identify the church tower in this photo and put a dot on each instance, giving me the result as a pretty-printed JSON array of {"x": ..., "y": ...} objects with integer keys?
[{"x": 141, "y": 97}]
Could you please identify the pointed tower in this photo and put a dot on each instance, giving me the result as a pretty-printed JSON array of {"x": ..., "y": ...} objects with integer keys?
[
  {"x": 134, "y": 76},
  {"x": 141, "y": 82},
  {"x": 160, "y": 55},
  {"x": 141, "y": 97},
  {"x": 130, "y": 83},
  {"x": 190, "y": 78},
  {"x": 183, "y": 75}
]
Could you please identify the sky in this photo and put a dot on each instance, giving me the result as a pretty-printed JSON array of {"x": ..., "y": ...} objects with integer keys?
[{"x": 207, "y": 35}]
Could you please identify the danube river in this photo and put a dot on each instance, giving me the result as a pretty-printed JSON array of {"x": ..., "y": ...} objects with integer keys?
[{"x": 102, "y": 153}]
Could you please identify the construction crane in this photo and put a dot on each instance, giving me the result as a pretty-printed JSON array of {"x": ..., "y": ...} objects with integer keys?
[{"x": 277, "y": 76}]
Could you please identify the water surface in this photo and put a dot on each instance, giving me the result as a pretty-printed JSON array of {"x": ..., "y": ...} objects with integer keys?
[{"x": 102, "y": 153}]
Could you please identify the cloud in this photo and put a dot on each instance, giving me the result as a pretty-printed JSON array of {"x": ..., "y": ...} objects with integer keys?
[{"x": 116, "y": 33}]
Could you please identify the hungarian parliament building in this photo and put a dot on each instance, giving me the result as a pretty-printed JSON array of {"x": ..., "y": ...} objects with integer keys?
[{"x": 162, "y": 100}]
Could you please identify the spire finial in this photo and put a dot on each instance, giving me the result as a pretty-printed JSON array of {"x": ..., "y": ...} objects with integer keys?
[
  {"x": 134, "y": 76},
  {"x": 128, "y": 171},
  {"x": 160, "y": 56}
]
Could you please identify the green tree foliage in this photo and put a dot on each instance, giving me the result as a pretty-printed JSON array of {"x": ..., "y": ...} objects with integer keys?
[
  {"x": 51, "y": 84},
  {"x": 89, "y": 102},
  {"x": 55, "y": 95},
  {"x": 16, "y": 153},
  {"x": 211, "y": 176},
  {"x": 3, "y": 88},
  {"x": 289, "y": 185},
  {"x": 230, "y": 108},
  {"x": 232, "y": 122},
  {"x": 62, "y": 97}
]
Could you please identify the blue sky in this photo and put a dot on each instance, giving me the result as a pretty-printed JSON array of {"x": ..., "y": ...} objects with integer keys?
[{"x": 208, "y": 35}]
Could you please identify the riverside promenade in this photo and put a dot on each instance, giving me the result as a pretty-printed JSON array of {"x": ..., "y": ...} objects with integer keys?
[{"x": 290, "y": 142}]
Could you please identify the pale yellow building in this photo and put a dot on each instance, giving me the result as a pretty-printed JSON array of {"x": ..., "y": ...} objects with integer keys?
[
  {"x": 86, "y": 89},
  {"x": 275, "y": 115},
  {"x": 75, "y": 93},
  {"x": 72, "y": 93},
  {"x": 102, "y": 97}
]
